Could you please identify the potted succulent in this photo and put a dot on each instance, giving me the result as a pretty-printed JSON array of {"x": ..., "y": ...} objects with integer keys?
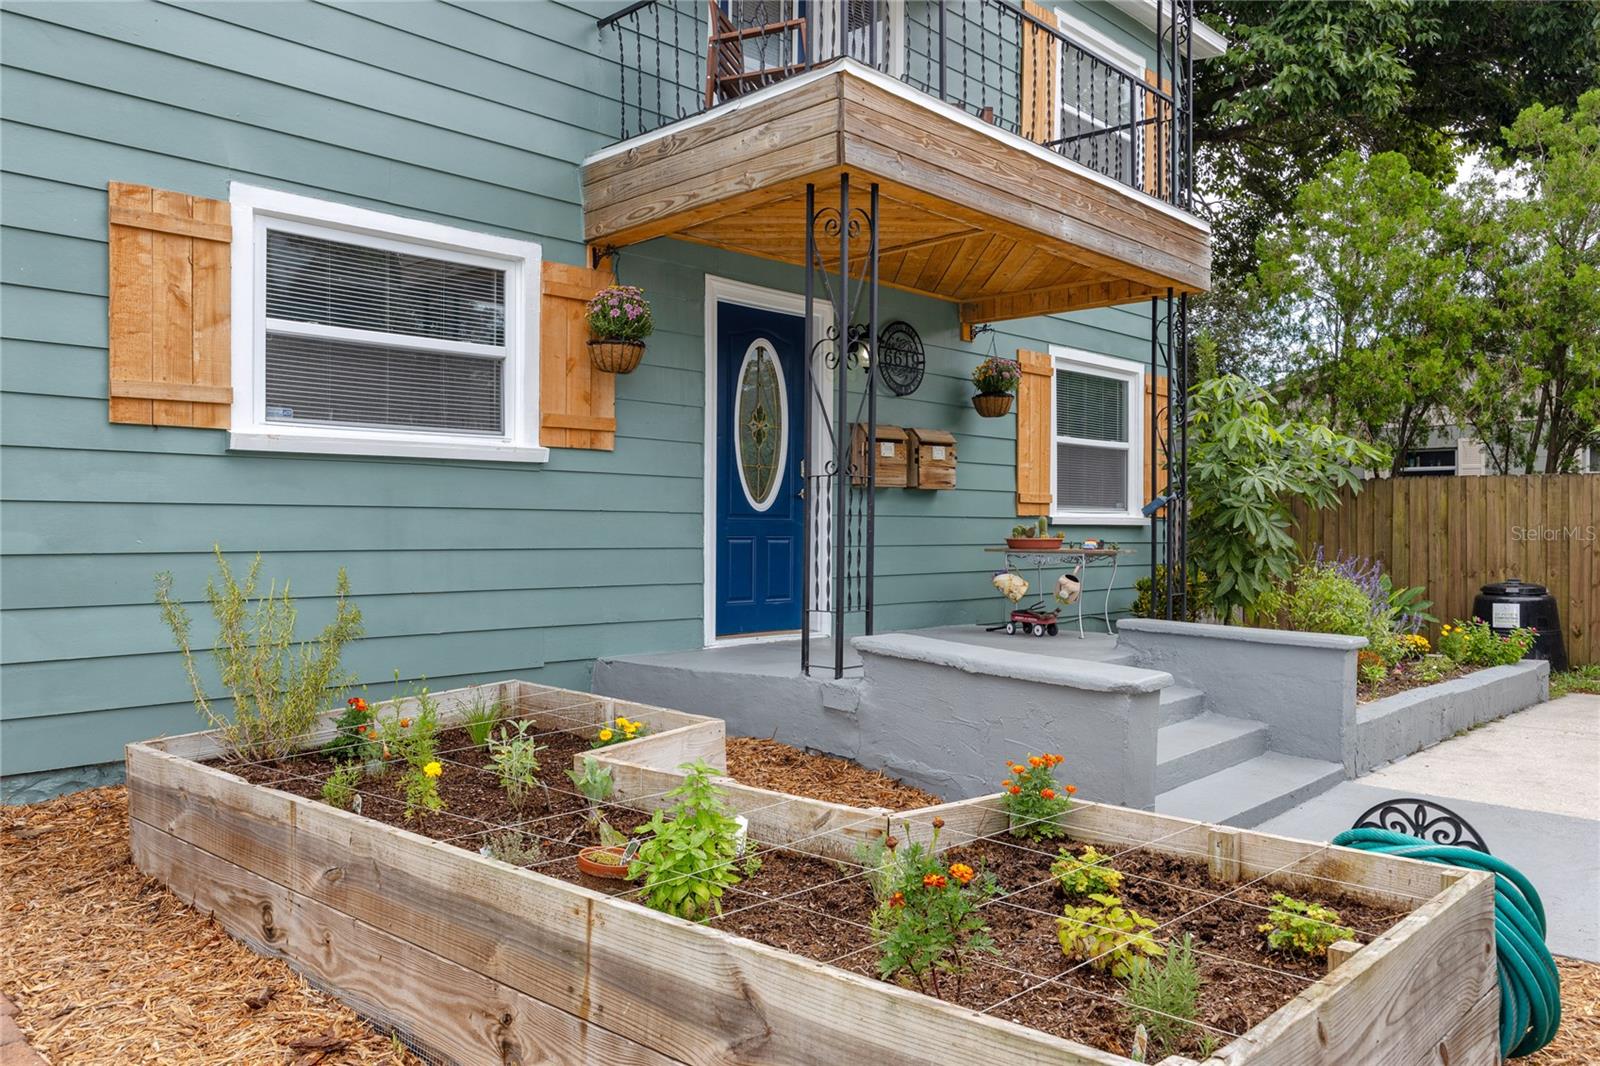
[
  {"x": 619, "y": 321},
  {"x": 995, "y": 379},
  {"x": 1034, "y": 537}
]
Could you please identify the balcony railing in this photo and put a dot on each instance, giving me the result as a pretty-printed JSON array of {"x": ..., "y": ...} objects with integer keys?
[{"x": 991, "y": 58}]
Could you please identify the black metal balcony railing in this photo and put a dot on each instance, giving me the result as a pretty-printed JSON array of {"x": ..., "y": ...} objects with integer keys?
[{"x": 992, "y": 58}]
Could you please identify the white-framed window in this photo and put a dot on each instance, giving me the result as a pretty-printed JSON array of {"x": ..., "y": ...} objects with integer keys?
[
  {"x": 357, "y": 332},
  {"x": 1097, "y": 461},
  {"x": 1097, "y": 110}
]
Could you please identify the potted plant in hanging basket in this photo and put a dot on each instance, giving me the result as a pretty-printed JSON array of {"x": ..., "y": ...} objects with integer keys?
[
  {"x": 619, "y": 321},
  {"x": 995, "y": 379}
]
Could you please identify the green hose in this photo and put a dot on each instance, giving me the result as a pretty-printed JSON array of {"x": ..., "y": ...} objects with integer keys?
[{"x": 1530, "y": 987}]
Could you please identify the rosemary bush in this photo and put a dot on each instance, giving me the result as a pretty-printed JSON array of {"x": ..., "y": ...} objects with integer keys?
[
  {"x": 279, "y": 688},
  {"x": 1165, "y": 997}
]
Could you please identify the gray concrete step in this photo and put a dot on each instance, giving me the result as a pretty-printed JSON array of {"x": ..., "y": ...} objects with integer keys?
[
  {"x": 1179, "y": 702},
  {"x": 1203, "y": 745},
  {"x": 1250, "y": 792}
]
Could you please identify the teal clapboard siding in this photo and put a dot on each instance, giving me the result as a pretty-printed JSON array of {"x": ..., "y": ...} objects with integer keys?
[{"x": 471, "y": 114}]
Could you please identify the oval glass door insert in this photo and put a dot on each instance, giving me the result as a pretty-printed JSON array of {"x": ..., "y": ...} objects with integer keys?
[{"x": 760, "y": 424}]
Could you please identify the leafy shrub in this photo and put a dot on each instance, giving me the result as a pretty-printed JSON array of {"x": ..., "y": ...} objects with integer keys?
[
  {"x": 996, "y": 376},
  {"x": 688, "y": 857},
  {"x": 927, "y": 922},
  {"x": 1034, "y": 800},
  {"x": 1320, "y": 599},
  {"x": 1371, "y": 668},
  {"x": 339, "y": 790},
  {"x": 279, "y": 688},
  {"x": 619, "y": 732},
  {"x": 1197, "y": 599},
  {"x": 1088, "y": 874},
  {"x": 355, "y": 734},
  {"x": 1306, "y": 928},
  {"x": 413, "y": 739},
  {"x": 481, "y": 718},
  {"x": 619, "y": 313},
  {"x": 511, "y": 846},
  {"x": 515, "y": 758},
  {"x": 1109, "y": 935},
  {"x": 1474, "y": 643},
  {"x": 1432, "y": 668},
  {"x": 1165, "y": 997}
]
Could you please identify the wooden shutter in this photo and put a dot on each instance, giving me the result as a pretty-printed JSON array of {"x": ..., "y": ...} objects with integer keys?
[
  {"x": 1157, "y": 129},
  {"x": 1039, "y": 95},
  {"x": 1155, "y": 470},
  {"x": 1035, "y": 435},
  {"x": 578, "y": 407},
  {"x": 169, "y": 330}
]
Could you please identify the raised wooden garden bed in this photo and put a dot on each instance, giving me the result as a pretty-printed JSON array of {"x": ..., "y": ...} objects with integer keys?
[{"x": 474, "y": 960}]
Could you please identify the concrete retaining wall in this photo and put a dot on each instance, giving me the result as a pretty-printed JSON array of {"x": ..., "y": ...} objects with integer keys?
[
  {"x": 1407, "y": 722},
  {"x": 1302, "y": 685},
  {"x": 946, "y": 716}
]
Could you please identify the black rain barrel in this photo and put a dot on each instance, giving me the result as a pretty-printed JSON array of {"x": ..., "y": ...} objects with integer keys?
[{"x": 1506, "y": 605}]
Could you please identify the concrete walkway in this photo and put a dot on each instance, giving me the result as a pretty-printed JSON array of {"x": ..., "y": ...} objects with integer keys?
[{"x": 1529, "y": 783}]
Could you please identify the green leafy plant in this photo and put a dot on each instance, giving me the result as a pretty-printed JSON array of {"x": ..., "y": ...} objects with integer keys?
[
  {"x": 279, "y": 688},
  {"x": 515, "y": 758},
  {"x": 619, "y": 731},
  {"x": 928, "y": 923},
  {"x": 355, "y": 734},
  {"x": 420, "y": 787},
  {"x": 1320, "y": 599},
  {"x": 1580, "y": 679},
  {"x": 1247, "y": 465},
  {"x": 689, "y": 854},
  {"x": 1298, "y": 926},
  {"x": 1371, "y": 668},
  {"x": 1034, "y": 800},
  {"x": 1197, "y": 598},
  {"x": 1475, "y": 643},
  {"x": 595, "y": 784},
  {"x": 1433, "y": 668},
  {"x": 619, "y": 313},
  {"x": 1088, "y": 874},
  {"x": 481, "y": 718},
  {"x": 411, "y": 738},
  {"x": 1108, "y": 935},
  {"x": 339, "y": 790},
  {"x": 511, "y": 846},
  {"x": 1164, "y": 997},
  {"x": 996, "y": 376}
]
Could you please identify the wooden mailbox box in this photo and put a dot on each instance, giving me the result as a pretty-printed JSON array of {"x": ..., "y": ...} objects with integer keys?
[
  {"x": 891, "y": 451},
  {"x": 933, "y": 459}
]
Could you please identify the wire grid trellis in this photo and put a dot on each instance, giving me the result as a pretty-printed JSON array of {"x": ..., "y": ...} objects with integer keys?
[{"x": 855, "y": 870}]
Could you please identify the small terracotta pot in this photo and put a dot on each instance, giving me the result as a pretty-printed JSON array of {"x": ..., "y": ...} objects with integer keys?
[
  {"x": 1033, "y": 543},
  {"x": 616, "y": 357},
  {"x": 615, "y": 871},
  {"x": 992, "y": 406}
]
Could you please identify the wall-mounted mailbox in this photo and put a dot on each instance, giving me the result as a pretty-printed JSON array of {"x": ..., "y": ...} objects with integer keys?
[
  {"x": 889, "y": 450},
  {"x": 933, "y": 459}
]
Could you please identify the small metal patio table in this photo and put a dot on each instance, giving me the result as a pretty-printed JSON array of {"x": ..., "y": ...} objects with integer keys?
[{"x": 1065, "y": 559}]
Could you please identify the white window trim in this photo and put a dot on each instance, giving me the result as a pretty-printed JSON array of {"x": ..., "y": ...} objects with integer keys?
[
  {"x": 255, "y": 208},
  {"x": 1133, "y": 375}
]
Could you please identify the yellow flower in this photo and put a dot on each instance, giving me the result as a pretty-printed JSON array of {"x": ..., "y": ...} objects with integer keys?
[
  {"x": 606, "y": 734},
  {"x": 623, "y": 723},
  {"x": 433, "y": 769}
]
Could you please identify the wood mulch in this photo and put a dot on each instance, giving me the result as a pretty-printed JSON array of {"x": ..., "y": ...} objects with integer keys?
[
  {"x": 107, "y": 966},
  {"x": 766, "y": 763},
  {"x": 1577, "y": 1042}
]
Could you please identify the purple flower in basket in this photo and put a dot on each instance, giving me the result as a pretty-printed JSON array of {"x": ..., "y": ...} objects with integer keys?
[{"x": 619, "y": 313}]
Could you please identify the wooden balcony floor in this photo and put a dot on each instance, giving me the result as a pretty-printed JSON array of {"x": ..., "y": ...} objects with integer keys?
[{"x": 968, "y": 212}]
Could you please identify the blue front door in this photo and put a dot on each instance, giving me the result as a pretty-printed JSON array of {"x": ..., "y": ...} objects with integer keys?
[{"x": 760, "y": 515}]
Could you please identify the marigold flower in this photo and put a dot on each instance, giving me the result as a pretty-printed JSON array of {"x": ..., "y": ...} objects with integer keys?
[
  {"x": 891, "y": 843},
  {"x": 1072, "y": 790},
  {"x": 360, "y": 704},
  {"x": 1048, "y": 794},
  {"x": 405, "y": 723},
  {"x": 1035, "y": 762},
  {"x": 934, "y": 881},
  {"x": 1006, "y": 783},
  {"x": 352, "y": 700},
  {"x": 606, "y": 734},
  {"x": 938, "y": 823},
  {"x": 433, "y": 769},
  {"x": 962, "y": 872},
  {"x": 361, "y": 729},
  {"x": 1015, "y": 791},
  {"x": 897, "y": 900}
]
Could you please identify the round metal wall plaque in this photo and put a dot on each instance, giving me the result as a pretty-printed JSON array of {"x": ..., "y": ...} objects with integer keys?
[{"x": 900, "y": 358}]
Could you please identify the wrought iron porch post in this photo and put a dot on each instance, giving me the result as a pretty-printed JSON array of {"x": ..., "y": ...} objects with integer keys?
[
  {"x": 807, "y": 502},
  {"x": 872, "y": 405},
  {"x": 842, "y": 438}
]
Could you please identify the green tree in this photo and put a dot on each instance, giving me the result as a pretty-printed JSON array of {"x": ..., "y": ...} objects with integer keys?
[
  {"x": 1368, "y": 283},
  {"x": 1247, "y": 465},
  {"x": 1537, "y": 384},
  {"x": 1303, "y": 82}
]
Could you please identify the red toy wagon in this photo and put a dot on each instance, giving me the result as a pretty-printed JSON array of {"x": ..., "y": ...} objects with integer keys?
[{"x": 1034, "y": 619}]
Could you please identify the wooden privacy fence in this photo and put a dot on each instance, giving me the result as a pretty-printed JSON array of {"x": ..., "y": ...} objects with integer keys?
[{"x": 1455, "y": 534}]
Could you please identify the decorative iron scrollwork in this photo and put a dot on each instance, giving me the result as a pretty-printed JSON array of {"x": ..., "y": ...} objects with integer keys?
[
  {"x": 901, "y": 361},
  {"x": 1424, "y": 820}
]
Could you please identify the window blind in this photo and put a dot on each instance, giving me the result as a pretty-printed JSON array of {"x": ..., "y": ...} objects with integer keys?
[
  {"x": 1090, "y": 478},
  {"x": 1091, "y": 406}
]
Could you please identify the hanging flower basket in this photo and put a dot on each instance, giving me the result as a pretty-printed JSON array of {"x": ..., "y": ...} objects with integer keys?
[
  {"x": 995, "y": 379},
  {"x": 992, "y": 406},
  {"x": 617, "y": 357},
  {"x": 619, "y": 321}
]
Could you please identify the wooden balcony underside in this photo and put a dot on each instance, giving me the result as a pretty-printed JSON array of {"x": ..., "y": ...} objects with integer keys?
[{"x": 968, "y": 212}]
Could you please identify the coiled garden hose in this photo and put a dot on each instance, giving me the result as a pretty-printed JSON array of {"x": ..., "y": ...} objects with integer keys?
[{"x": 1530, "y": 987}]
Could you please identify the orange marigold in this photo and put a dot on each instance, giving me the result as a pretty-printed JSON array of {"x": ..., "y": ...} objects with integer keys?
[
  {"x": 1072, "y": 790},
  {"x": 1048, "y": 794},
  {"x": 897, "y": 900},
  {"x": 934, "y": 881},
  {"x": 1035, "y": 762},
  {"x": 1015, "y": 791},
  {"x": 962, "y": 872},
  {"x": 405, "y": 723}
]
